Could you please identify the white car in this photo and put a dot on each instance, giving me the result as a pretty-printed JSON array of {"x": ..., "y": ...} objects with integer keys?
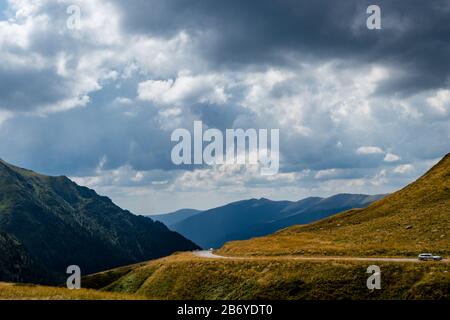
[{"x": 429, "y": 256}]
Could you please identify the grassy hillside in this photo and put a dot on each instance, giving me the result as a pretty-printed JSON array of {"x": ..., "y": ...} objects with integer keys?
[
  {"x": 10, "y": 291},
  {"x": 185, "y": 277},
  {"x": 53, "y": 223},
  {"x": 405, "y": 223}
]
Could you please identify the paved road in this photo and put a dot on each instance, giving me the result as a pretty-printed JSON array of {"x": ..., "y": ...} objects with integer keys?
[{"x": 210, "y": 255}]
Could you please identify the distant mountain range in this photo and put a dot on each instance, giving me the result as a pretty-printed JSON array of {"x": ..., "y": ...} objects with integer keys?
[
  {"x": 174, "y": 217},
  {"x": 48, "y": 223},
  {"x": 256, "y": 217}
]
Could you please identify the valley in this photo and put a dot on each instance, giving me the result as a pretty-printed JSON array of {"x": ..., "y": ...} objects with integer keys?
[{"x": 246, "y": 219}]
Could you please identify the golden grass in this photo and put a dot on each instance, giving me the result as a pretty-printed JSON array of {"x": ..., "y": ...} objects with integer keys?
[
  {"x": 412, "y": 220},
  {"x": 11, "y": 291},
  {"x": 183, "y": 276}
]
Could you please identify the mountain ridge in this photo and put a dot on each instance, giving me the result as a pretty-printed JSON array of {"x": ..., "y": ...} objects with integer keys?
[
  {"x": 61, "y": 223},
  {"x": 171, "y": 218},
  {"x": 244, "y": 219}
]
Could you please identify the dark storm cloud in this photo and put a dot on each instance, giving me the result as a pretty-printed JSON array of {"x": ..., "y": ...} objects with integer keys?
[
  {"x": 310, "y": 68},
  {"x": 415, "y": 37},
  {"x": 21, "y": 89},
  {"x": 74, "y": 142}
]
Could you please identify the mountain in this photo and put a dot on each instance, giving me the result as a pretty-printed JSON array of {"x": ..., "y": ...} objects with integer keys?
[
  {"x": 48, "y": 223},
  {"x": 211, "y": 226},
  {"x": 172, "y": 218},
  {"x": 413, "y": 220},
  {"x": 256, "y": 217},
  {"x": 322, "y": 209},
  {"x": 16, "y": 263}
]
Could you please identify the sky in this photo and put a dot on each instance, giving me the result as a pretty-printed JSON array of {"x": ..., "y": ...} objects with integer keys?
[{"x": 358, "y": 110}]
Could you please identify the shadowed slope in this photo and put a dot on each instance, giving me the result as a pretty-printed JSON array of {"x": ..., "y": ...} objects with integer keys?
[{"x": 58, "y": 223}]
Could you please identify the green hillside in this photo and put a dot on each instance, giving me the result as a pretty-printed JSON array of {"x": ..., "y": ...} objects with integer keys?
[
  {"x": 16, "y": 263},
  {"x": 405, "y": 223},
  {"x": 48, "y": 223}
]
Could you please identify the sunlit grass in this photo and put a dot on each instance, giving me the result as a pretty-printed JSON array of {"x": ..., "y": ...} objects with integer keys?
[
  {"x": 416, "y": 219},
  {"x": 9, "y": 291},
  {"x": 186, "y": 277}
]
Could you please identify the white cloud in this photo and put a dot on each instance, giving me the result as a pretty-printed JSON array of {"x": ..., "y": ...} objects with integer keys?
[
  {"x": 404, "y": 169},
  {"x": 390, "y": 157},
  {"x": 328, "y": 173},
  {"x": 369, "y": 150},
  {"x": 159, "y": 57},
  {"x": 122, "y": 177},
  {"x": 123, "y": 101},
  {"x": 50, "y": 48},
  {"x": 440, "y": 102},
  {"x": 36, "y": 39},
  {"x": 185, "y": 89},
  {"x": 380, "y": 178},
  {"x": 4, "y": 116},
  {"x": 155, "y": 90}
]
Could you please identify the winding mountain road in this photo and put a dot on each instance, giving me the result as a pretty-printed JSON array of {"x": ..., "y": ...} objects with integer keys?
[{"x": 208, "y": 254}]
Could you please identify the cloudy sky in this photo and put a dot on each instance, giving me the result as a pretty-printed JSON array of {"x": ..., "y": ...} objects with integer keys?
[{"x": 359, "y": 110}]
